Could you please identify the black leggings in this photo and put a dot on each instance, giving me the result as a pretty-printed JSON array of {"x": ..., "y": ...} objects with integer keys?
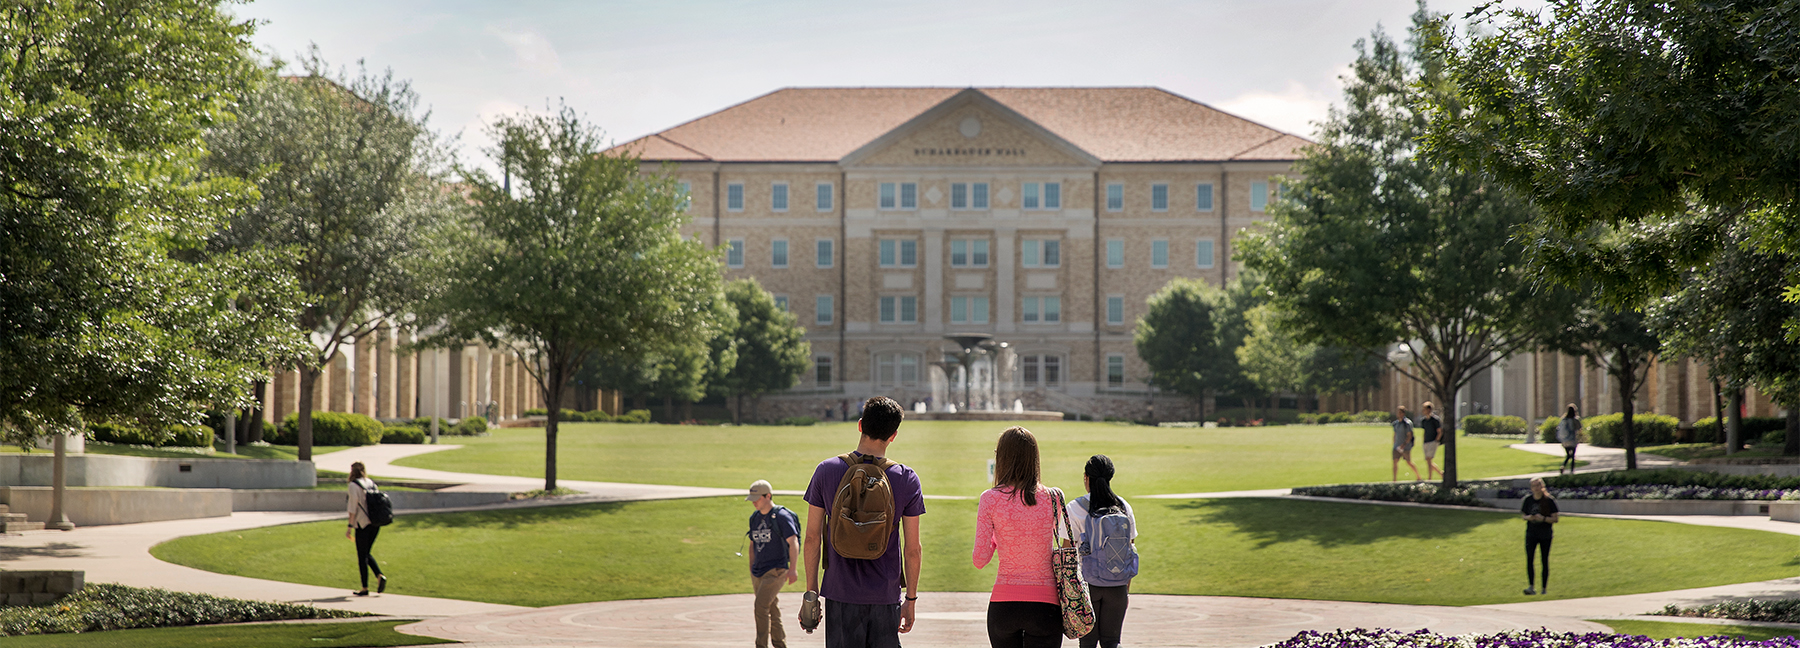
[
  {"x": 1542, "y": 545},
  {"x": 1568, "y": 459},
  {"x": 365, "y": 540},
  {"x": 1024, "y": 624},
  {"x": 1110, "y": 604}
]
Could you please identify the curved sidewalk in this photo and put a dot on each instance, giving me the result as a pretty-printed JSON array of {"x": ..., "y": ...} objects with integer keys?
[{"x": 958, "y": 619}]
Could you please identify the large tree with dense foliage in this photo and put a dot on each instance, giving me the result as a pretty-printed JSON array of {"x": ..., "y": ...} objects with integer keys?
[
  {"x": 1375, "y": 246},
  {"x": 352, "y": 187},
  {"x": 1723, "y": 314},
  {"x": 1611, "y": 112},
  {"x": 109, "y": 308},
  {"x": 573, "y": 252},
  {"x": 1618, "y": 341},
  {"x": 1181, "y": 338},
  {"x": 770, "y": 345}
]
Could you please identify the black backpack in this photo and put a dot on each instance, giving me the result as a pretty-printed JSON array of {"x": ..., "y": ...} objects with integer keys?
[{"x": 377, "y": 505}]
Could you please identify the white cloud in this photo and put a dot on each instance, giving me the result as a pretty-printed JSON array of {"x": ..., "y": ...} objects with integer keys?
[
  {"x": 533, "y": 50},
  {"x": 1294, "y": 110}
]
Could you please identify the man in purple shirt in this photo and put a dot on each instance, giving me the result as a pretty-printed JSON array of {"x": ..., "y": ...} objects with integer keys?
[{"x": 864, "y": 604}]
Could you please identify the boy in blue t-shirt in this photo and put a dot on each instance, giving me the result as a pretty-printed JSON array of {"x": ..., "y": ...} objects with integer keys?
[{"x": 774, "y": 548}]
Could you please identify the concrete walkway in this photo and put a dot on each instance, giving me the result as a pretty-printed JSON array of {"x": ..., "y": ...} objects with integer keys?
[{"x": 1598, "y": 459}]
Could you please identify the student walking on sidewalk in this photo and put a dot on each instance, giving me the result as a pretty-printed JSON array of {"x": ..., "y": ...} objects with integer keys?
[
  {"x": 1017, "y": 518},
  {"x": 1106, "y": 533},
  {"x": 1403, "y": 443},
  {"x": 1568, "y": 433},
  {"x": 1539, "y": 510},
  {"x": 774, "y": 549},
  {"x": 858, "y": 525},
  {"x": 363, "y": 529}
]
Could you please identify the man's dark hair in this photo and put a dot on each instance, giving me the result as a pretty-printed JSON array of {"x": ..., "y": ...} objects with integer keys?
[{"x": 880, "y": 418}]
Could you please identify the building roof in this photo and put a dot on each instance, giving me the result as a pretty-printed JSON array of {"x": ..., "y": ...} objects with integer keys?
[{"x": 826, "y": 124}]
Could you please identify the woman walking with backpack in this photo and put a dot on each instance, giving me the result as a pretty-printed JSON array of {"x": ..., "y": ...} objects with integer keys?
[
  {"x": 1568, "y": 433},
  {"x": 363, "y": 529},
  {"x": 1017, "y": 518},
  {"x": 1105, "y": 532}
]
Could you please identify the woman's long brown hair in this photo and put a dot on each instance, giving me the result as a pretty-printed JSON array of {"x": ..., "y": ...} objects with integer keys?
[
  {"x": 1016, "y": 464},
  {"x": 356, "y": 471}
]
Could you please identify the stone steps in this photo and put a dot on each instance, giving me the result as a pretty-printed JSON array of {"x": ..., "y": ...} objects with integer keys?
[{"x": 11, "y": 522}]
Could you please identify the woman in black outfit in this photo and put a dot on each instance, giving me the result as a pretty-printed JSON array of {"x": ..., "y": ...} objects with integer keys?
[
  {"x": 362, "y": 529},
  {"x": 1539, "y": 510}
]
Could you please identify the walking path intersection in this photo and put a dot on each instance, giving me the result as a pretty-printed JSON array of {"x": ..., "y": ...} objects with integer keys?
[{"x": 121, "y": 554}]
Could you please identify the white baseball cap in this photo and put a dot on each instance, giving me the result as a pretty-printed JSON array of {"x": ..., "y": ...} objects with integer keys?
[{"x": 759, "y": 489}]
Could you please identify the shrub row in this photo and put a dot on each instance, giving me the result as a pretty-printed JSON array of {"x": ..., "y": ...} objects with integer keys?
[
  {"x": 1755, "y": 428},
  {"x": 107, "y": 606},
  {"x": 1674, "y": 477},
  {"x": 1367, "y": 416},
  {"x": 597, "y": 416},
  {"x": 1487, "y": 424},
  {"x": 329, "y": 429},
  {"x": 186, "y": 436},
  {"x": 1423, "y": 493},
  {"x": 1608, "y": 430},
  {"x": 1777, "y": 611}
]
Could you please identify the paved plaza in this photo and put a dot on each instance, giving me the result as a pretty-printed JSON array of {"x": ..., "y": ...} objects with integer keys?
[{"x": 121, "y": 554}]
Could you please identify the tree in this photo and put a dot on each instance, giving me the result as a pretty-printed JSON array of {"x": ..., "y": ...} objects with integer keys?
[
  {"x": 1269, "y": 358},
  {"x": 574, "y": 252},
  {"x": 351, "y": 184},
  {"x": 1615, "y": 340},
  {"x": 681, "y": 373},
  {"x": 772, "y": 351},
  {"x": 1617, "y": 112},
  {"x": 108, "y": 308},
  {"x": 1375, "y": 246},
  {"x": 1179, "y": 338},
  {"x": 1724, "y": 313},
  {"x": 1330, "y": 369}
]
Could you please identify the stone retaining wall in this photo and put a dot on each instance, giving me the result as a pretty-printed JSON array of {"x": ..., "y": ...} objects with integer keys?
[
  {"x": 39, "y": 587},
  {"x": 199, "y": 472},
  {"x": 103, "y": 506},
  {"x": 1650, "y": 507}
]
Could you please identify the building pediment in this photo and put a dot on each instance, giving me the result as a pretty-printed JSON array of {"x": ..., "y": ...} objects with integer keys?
[{"x": 970, "y": 129}]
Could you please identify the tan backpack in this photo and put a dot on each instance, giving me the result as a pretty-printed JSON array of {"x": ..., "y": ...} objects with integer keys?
[{"x": 863, "y": 513}]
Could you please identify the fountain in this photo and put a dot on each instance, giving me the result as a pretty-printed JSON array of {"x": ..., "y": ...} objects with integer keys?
[{"x": 976, "y": 361}]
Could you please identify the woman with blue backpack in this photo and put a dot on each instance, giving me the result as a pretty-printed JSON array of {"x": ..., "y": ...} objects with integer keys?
[{"x": 1105, "y": 535}]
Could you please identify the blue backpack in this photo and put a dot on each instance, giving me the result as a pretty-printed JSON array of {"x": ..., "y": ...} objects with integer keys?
[{"x": 1108, "y": 558}]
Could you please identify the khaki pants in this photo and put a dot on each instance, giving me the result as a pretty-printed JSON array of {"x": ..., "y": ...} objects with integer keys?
[{"x": 768, "y": 609}]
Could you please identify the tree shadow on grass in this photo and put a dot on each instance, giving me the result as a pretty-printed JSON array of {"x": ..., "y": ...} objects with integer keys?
[
  {"x": 52, "y": 550},
  {"x": 511, "y": 518},
  {"x": 1270, "y": 521}
]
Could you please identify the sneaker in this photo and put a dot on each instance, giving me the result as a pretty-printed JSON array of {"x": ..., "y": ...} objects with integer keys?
[
  {"x": 1530, "y": 592},
  {"x": 381, "y": 584}
]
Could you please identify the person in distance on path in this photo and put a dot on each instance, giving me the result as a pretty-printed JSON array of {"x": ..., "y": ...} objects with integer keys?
[
  {"x": 1433, "y": 428},
  {"x": 1539, "y": 510},
  {"x": 362, "y": 529},
  {"x": 1403, "y": 443},
  {"x": 1568, "y": 433},
  {"x": 774, "y": 549}
]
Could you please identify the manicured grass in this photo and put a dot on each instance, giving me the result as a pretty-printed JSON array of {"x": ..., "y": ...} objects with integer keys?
[
  {"x": 1671, "y": 630},
  {"x": 1275, "y": 548},
  {"x": 951, "y": 457},
  {"x": 357, "y": 634},
  {"x": 290, "y": 453},
  {"x": 1690, "y": 451}
]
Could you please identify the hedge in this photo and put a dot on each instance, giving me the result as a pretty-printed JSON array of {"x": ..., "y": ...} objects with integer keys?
[
  {"x": 1368, "y": 416},
  {"x": 403, "y": 434},
  {"x": 1493, "y": 425},
  {"x": 633, "y": 416},
  {"x": 1755, "y": 428},
  {"x": 471, "y": 426},
  {"x": 330, "y": 429},
  {"x": 1422, "y": 493},
  {"x": 536, "y": 411},
  {"x": 1650, "y": 429},
  {"x": 597, "y": 416},
  {"x": 107, "y": 606},
  {"x": 186, "y": 436},
  {"x": 1674, "y": 477}
]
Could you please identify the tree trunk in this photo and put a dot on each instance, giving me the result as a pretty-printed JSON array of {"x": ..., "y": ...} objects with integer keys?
[
  {"x": 668, "y": 409},
  {"x": 687, "y": 410},
  {"x": 1734, "y": 426},
  {"x": 1718, "y": 413},
  {"x": 1446, "y": 393},
  {"x": 309, "y": 381},
  {"x": 1627, "y": 387},
  {"x": 552, "y": 416},
  {"x": 737, "y": 409},
  {"x": 1792, "y": 446}
]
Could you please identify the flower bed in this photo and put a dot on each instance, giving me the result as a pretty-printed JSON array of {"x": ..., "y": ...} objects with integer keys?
[
  {"x": 1383, "y": 638},
  {"x": 1421, "y": 493},
  {"x": 107, "y": 606},
  {"x": 1780, "y": 611},
  {"x": 1656, "y": 492}
]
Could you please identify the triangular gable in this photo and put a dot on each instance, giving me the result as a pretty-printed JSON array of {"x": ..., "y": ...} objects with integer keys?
[{"x": 970, "y": 129}]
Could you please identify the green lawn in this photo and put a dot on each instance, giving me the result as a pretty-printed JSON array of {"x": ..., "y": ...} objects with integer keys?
[
  {"x": 353, "y": 634},
  {"x": 1671, "y": 630},
  {"x": 1690, "y": 451},
  {"x": 951, "y": 457},
  {"x": 1234, "y": 547}
]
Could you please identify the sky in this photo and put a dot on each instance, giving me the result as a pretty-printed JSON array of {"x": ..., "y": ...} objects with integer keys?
[{"x": 635, "y": 68}]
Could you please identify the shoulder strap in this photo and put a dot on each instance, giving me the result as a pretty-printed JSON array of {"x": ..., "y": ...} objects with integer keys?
[{"x": 1062, "y": 517}]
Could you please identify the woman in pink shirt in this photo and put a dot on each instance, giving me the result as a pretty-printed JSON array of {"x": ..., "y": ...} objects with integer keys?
[{"x": 1018, "y": 518}]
